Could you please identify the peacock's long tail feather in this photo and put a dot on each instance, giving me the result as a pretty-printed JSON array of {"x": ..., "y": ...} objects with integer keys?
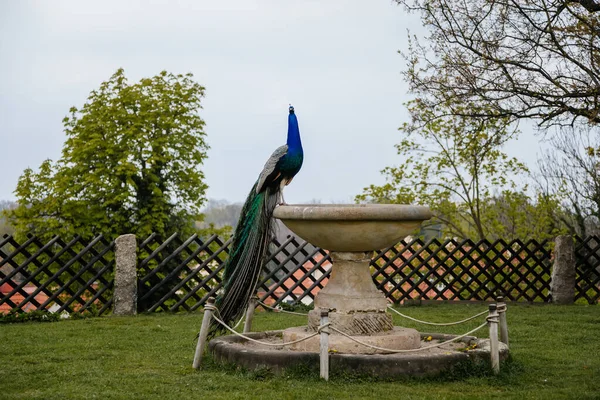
[{"x": 246, "y": 254}]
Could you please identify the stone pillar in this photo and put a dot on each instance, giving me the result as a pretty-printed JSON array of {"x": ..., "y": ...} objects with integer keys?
[
  {"x": 125, "y": 295},
  {"x": 563, "y": 271}
]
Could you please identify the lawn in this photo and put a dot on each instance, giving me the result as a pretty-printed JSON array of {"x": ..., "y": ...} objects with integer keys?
[{"x": 556, "y": 355}]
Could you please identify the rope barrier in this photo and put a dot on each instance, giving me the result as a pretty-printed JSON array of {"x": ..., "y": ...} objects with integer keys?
[
  {"x": 408, "y": 350},
  {"x": 321, "y": 327},
  {"x": 279, "y": 309},
  {"x": 238, "y": 323},
  {"x": 436, "y": 323},
  {"x": 496, "y": 316},
  {"x": 216, "y": 311}
]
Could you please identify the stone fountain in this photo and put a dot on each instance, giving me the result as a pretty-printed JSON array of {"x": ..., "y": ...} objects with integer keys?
[{"x": 351, "y": 233}]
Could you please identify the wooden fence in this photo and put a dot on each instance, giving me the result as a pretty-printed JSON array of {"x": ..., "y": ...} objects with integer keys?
[{"x": 176, "y": 274}]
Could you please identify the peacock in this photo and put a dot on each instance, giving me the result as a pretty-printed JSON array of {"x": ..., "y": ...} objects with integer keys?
[{"x": 255, "y": 229}]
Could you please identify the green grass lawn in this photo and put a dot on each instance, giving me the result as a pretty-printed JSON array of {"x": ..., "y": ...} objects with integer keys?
[{"x": 555, "y": 349}]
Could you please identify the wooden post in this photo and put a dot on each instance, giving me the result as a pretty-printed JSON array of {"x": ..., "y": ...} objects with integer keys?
[
  {"x": 494, "y": 351},
  {"x": 206, "y": 319},
  {"x": 324, "y": 354},
  {"x": 250, "y": 314},
  {"x": 503, "y": 324}
]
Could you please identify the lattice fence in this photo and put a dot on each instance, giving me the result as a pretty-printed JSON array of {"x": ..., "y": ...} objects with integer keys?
[
  {"x": 587, "y": 252},
  {"x": 295, "y": 272},
  {"x": 179, "y": 275},
  {"x": 464, "y": 270},
  {"x": 57, "y": 276}
]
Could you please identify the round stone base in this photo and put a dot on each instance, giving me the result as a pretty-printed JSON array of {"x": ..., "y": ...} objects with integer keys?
[
  {"x": 431, "y": 362},
  {"x": 396, "y": 339}
]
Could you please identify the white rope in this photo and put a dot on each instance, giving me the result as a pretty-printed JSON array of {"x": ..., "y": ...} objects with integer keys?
[
  {"x": 435, "y": 323},
  {"x": 408, "y": 350},
  {"x": 258, "y": 341},
  {"x": 279, "y": 309},
  {"x": 321, "y": 327},
  {"x": 238, "y": 323}
]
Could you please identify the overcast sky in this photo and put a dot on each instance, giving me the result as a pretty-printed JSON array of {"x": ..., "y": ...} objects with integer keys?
[{"x": 336, "y": 61}]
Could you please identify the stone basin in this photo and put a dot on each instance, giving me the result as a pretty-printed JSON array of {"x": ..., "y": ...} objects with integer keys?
[{"x": 352, "y": 227}]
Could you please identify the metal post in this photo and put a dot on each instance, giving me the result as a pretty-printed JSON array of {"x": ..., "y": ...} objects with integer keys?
[
  {"x": 494, "y": 351},
  {"x": 250, "y": 314},
  {"x": 503, "y": 324},
  {"x": 206, "y": 319},
  {"x": 324, "y": 354}
]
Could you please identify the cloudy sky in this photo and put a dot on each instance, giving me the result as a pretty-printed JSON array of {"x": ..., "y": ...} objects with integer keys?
[{"x": 336, "y": 61}]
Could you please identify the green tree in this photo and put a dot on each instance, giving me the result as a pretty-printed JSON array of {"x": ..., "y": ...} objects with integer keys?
[
  {"x": 451, "y": 164},
  {"x": 515, "y": 215},
  {"x": 130, "y": 164}
]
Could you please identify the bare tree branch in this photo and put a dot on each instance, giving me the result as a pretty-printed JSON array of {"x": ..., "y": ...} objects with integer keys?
[
  {"x": 520, "y": 59},
  {"x": 589, "y": 5}
]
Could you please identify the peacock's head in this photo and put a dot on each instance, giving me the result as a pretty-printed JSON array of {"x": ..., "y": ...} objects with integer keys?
[{"x": 291, "y": 109}]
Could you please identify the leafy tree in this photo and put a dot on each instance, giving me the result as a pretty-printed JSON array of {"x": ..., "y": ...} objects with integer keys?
[
  {"x": 130, "y": 163},
  {"x": 451, "y": 164},
  {"x": 515, "y": 215},
  {"x": 513, "y": 59}
]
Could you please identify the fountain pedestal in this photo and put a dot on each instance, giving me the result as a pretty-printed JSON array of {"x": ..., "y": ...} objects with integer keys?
[{"x": 356, "y": 307}]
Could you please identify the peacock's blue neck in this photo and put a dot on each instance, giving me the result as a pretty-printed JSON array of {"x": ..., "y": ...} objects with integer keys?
[{"x": 293, "y": 139}]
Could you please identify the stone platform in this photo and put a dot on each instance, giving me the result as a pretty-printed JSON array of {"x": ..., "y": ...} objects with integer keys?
[
  {"x": 396, "y": 339},
  {"x": 431, "y": 362}
]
